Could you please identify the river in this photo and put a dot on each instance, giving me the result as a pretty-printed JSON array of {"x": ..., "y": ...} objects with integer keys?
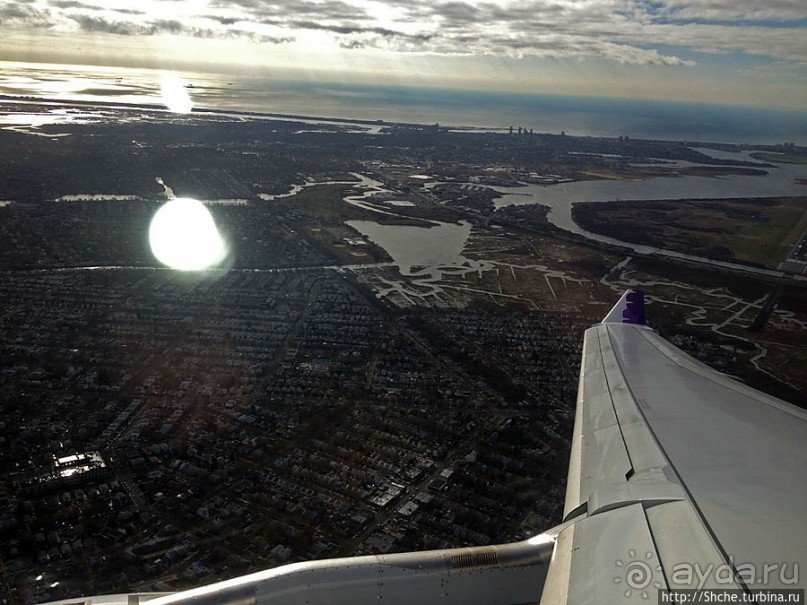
[
  {"x": 430, "y": 252},
  {"x": 780, "y": 181},
  {"x": 442, "y": 245}
]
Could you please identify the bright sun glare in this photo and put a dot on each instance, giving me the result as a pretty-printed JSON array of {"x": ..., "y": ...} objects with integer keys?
[
  {"x": 175, "y": 95},
  {"x": 184, "y": 236}
]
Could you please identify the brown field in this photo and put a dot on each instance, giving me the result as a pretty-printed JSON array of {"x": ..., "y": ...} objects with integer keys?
[
  {"x": 754, "y": 231},
  {"x": 782, "y": 158}
]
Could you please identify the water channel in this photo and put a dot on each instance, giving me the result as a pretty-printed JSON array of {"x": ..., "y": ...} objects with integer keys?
[{"x": 439, "y": 245}]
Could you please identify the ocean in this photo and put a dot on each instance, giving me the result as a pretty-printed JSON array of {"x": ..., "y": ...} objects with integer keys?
[{"x": 488, "y": 109}]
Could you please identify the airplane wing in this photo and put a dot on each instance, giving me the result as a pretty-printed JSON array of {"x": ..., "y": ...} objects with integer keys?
[{"x": 679, "y": 478}]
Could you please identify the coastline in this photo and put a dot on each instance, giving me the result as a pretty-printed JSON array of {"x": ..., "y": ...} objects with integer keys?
[{"x": 374, "y": 105}]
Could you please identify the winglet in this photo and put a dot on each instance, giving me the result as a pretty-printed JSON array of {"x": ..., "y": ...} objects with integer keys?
[{"x": 629, "y": 309}]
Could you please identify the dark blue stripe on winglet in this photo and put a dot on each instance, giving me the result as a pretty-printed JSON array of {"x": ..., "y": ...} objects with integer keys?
[{"x": 629, "y": 309}]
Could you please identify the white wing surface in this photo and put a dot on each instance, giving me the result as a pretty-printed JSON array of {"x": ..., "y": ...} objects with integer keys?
[{"x": 678, "y": 475}]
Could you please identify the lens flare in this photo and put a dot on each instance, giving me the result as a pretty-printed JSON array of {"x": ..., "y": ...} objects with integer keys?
[
  {"x": 175, "y": 95},
  {"x": 183, "y": 235}
]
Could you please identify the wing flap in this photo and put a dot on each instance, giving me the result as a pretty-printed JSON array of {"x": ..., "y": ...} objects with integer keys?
[
  {"x": 688, "y": 557},
  {"x": 596, "y": 557}
]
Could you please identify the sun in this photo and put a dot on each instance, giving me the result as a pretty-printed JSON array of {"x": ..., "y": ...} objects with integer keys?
[{"x": 184, "y": 236}]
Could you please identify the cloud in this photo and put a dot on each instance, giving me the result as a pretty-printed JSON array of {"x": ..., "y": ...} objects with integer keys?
[
  {"x": 608, "y": 29},
  {"x": 355, "y": 36},
  {"x": 734, "y": 11},
  {"x": 70, "y": 4},
  {"x": 642, "y": 32},
  {"x": 97, "y": 24},
  {"x": 127, "y": 11},
  {"x": 290, "y": 11},
  {"x": 19, "y": 13},
  {"x": 224, "y": 20},
  {"x": 640, "y": 56},
  {"x": 100, "y": 24},
  {"x": 787, "y": 44},
  {"x": 66, "y": 4}
]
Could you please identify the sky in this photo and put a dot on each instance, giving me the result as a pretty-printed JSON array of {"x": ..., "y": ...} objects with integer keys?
[{"x": 741, "y": 52}]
